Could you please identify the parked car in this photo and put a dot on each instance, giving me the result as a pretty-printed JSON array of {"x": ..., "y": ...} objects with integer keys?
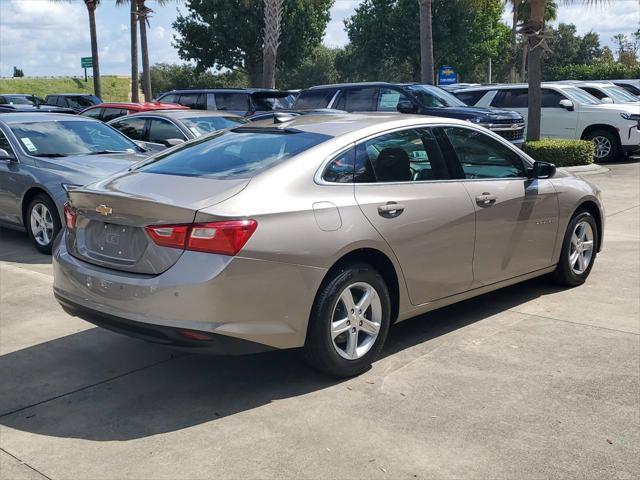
[
  {"x": 43, "y": 156},
  {"x": 241, "y": 101},
  {"x": 20, "y": 99},
  {"x": 163, "y": 129},
  {"x": 26, "y": 108},
  {"x": 568, "y": 112},
  {"x": 76, "y": 101},
  {"x": 410, "y": 98},
  {"x": 630, "y": 85},
  {"x": 109, "y": 111},
  {"x": 318, "y": 233},
  {"x": 607, "y": 92}
]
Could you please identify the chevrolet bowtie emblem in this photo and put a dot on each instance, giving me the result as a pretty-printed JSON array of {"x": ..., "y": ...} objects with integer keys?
[{"x": 104, "y": 210}]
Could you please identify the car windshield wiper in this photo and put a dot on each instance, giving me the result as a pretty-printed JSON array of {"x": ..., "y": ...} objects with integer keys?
[
  {"x": 103, "y": 152},
  {"x": 52, "y": 155}
]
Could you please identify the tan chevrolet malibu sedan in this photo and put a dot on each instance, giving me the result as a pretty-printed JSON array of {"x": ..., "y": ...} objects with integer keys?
[{"x": 318, "y": 232}]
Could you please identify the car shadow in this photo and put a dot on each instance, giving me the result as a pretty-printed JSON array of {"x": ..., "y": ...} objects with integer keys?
[
  {"x": 15, "y": 246},
  {"x": 123, "y": 389}
]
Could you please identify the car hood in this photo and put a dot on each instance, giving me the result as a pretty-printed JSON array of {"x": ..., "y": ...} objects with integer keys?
[
  {"x": 615, "y": 107},
  {"x": 480, "y": 112}
]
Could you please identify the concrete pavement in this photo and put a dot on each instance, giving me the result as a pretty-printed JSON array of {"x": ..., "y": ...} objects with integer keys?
[{"x": 528, "y": 382}]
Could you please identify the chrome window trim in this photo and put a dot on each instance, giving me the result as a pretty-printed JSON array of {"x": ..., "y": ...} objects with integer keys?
[{"x": 526, "y": 160}]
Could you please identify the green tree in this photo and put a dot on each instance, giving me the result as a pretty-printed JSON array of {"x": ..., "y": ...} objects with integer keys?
[
  {"x": 222, "y": 33},
  {"x": 144, "y": 13},
  {"x": 622, "y": 42},
  {"x": 17, "y": 72},
  {"x": 318, "y": 68},
  {"x": 607, "y": 56},
  {"x": 133, "y": 31}
]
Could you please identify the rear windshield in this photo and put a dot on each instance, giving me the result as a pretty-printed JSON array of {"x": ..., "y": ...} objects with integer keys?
[{"x": 239, "y": 153}]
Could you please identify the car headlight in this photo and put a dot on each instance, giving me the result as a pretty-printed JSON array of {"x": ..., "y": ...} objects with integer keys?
[{"x": 70, "y": 186}]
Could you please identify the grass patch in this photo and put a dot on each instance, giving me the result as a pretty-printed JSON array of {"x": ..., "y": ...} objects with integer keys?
[
  {"x": 562, "y": 153},
  {"x": 114, "y": 89}
]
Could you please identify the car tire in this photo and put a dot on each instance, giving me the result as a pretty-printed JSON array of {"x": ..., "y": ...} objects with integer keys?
[
  {"x": 352, "y": 351},
  {"x": 581, "y": 230},
  {"x": 42, "y": 222},
  {"x": 606, "y": 143}
]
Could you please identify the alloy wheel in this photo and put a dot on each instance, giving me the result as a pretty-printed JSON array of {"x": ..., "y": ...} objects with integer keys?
[
  {"x": 603, "y": 146},
  {"x": 41, "y": 224},
  {"x": 356, "y": 320},
  {"x": 581, "y": 251}
]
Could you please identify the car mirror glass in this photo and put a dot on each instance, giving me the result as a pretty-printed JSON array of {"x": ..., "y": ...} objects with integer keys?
[
  {"x": 4, "y": 155},
  {"x": 406, "y": 106},
  {"x": 543, "y": 170}
]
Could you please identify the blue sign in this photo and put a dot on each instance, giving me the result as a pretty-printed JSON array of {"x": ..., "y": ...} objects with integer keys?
[{"x": 447, "y": 76}]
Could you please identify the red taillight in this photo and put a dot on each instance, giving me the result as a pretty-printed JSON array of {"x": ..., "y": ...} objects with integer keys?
[
  {"x": 226, "y": 238},
  {"x": 70, "y": 216}
]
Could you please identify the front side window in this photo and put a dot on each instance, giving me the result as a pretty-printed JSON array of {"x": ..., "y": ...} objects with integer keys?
[
  {"x": 192, "y": 100},
  {"x": 470, "y": 98},
  {"x": 82, "y": 102},
  {"x": 131, "y": 127},
  {"x": 239, "y": 153},
  {"x": 111, "y": 113},
  {"x": 357, "y": 100},
  {"x": 4, "y": 143},
  {"x": 404, "y": 156},
  {"x": 340, "y": 169},
  {"x": 435, "y": 97},
  {"x": 480, "y": 156},
  {"x": 232, "y": 101},
  {"x": 314, "y": 99},
  {"x": 169, "y": 98},
  {"x": 388, "y": 100},
  {"x": 64, "y": 138},
  {"x": 93, "y": 113},
  {"x": 511, "y": 98},
  {"x": 162, "y": 130},
  {"x": 551, "y": 98}
]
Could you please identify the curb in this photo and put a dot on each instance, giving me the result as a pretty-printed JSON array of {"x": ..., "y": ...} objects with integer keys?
[{"x": 592, "y": 168}]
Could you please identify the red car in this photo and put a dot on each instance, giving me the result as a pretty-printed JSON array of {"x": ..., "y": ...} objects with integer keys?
[{"x": 109, "y": 111}]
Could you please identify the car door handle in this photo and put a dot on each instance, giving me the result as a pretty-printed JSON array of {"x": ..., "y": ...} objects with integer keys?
[
  {"x": 486, "y": 199},
  {"x": 390, "y": 209}
]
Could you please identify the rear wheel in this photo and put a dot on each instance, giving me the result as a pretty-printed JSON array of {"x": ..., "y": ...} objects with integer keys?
[
  {"x": 349, "y": 321},
  {"x": 579, "y": 250},
  {"x": 42, "y": 222},
  {"x": 606, "y": 144}
]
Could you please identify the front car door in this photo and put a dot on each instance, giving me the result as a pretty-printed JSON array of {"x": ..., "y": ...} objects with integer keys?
[
  {"x": 556, "y": 121},
  {"x": 404, "y": 189},
  {"x": 14, "y": 181},
  {"x": 516, "y": 217}
]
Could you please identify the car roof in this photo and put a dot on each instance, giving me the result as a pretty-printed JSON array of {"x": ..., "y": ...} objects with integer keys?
[
  {"x": 20, "y": 117},
  {"x": 183, "y": 114},
  {"x": 71, "y": 95},
  {"x": 140, "y": 106},
  {"x": 505, "y": 86},
  {"x": 363, "y": 84},
  {"x": 231, "y": 90},
  {"x": 342, "y": 124}
]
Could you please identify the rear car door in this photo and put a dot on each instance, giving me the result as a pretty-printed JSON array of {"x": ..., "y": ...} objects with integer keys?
[
  {"x": 357, "y": 99},
  {"x": 516, "y": 217},
  {"x": 403, "y": 187}
]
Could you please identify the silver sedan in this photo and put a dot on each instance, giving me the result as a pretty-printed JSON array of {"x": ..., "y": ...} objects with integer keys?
[{"x": 318, "y": 232}]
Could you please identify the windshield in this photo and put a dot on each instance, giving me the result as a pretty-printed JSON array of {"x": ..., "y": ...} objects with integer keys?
[
  {"x": 580, "y": 96},
  {"x": 619, "y": 95},
  {"x": 83, "y": 102},
  {"x": 204, "y": 125},
  {"x": 65, "y": 138},
  {"x": 239, "y": 153},
  {"x": 18, "y": 100},
  {"x": 430, "y": 96}
]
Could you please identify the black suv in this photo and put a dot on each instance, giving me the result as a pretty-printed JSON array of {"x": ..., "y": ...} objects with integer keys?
[
  {"x": 75, "y": 101},
  {"x": 241, "y": 101},
  {"x": 410, "y": 98}
]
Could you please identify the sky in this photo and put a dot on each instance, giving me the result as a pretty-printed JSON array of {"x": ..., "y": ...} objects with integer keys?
[{"x": 48, "y": 38}]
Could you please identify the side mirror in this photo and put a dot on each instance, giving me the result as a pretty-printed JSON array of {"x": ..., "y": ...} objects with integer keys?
[
  {"x": 568, "y": 104},
  {"x": 172, "y": 142},
  {"x": 4, "y": 155},
  {"x": 543, "y": 170},
  {"x": 406, "y": 106},
  {"x": 606, "y": 100}
]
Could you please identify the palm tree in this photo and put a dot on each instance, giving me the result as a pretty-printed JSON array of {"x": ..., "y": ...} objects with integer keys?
[
  {"x": 91, "y": 9},
  {"x": 133, "y": 30},
  {"x": 426, "y": 42},
  {"x": 533, "y": 29},
  {"x": 144, "y": 13},
  {"x": 515, "y": 6},
  {"x": 272, "y": 26}
]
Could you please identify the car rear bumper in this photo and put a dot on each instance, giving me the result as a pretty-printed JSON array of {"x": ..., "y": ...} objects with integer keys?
[{"x": 259, "y": 301}]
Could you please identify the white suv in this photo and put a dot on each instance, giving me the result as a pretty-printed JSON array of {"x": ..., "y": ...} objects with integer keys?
[{"x": 568, "y": 112}]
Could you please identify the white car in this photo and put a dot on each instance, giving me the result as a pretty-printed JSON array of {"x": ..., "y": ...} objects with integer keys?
[
  {"x": 568, "y": 112},
  {"x": 606, "y": 92}
]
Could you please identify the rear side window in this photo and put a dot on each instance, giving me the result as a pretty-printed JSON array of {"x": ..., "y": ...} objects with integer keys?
[
  {"x": 239, "y": 153},
  {"x": 340, "y": 169},
  {"x": 470, "y": 98},
  {"x": 131, "y": 127},
  {"x": 512, "y": 98},
  {"x": 313, "y": 99},
  {"x": 93, "y": 113},
  {"x": 232, "y": 101},
  {"x": 358, "y": 100},
  {"x": 192, "y": 100},
  {"x": 480, "y": 156},
  {"x": 111, "y": 113}
]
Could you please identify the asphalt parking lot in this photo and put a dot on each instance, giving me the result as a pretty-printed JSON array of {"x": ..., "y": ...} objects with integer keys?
[{"x": 528, "y": 382}]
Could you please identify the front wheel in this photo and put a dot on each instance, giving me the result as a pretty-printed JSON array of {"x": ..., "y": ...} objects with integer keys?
[
  {"x": 349, "y": 321},
  {"x": 606, "y": 145},
  {"x": 579, "y": 250},
  {"x": 42, "y": 222}
]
